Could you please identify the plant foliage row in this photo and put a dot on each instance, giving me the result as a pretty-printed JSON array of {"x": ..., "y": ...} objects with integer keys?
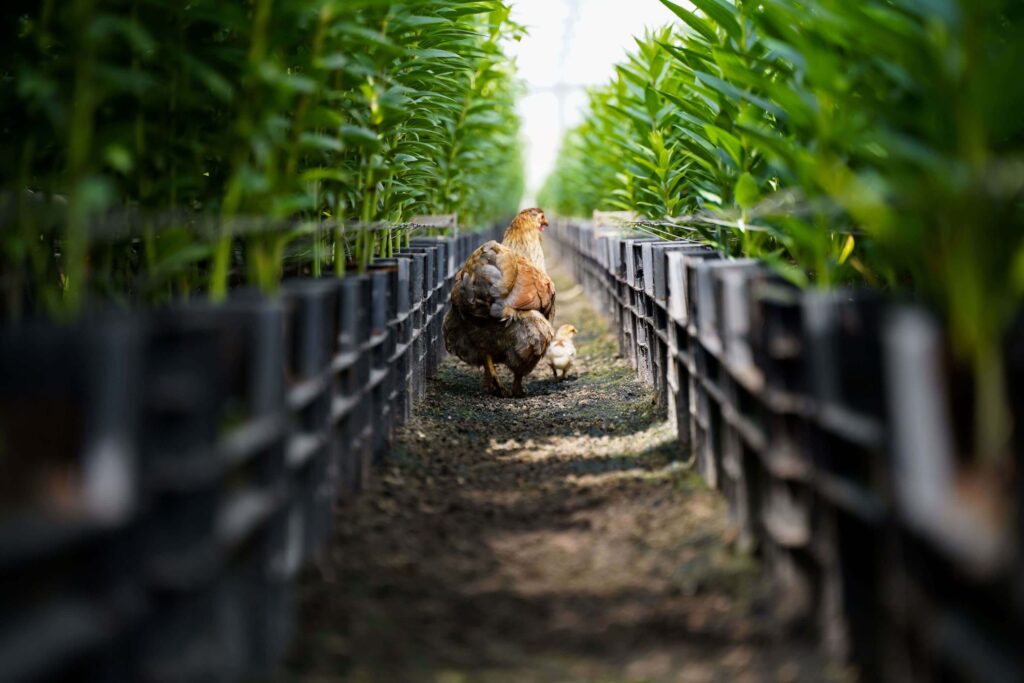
[
  {"x": 877, "y": 141},
  {"x": 309, "y": 113}
]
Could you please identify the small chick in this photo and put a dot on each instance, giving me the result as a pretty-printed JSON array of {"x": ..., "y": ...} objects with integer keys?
[{"x": 562, "y": 351}]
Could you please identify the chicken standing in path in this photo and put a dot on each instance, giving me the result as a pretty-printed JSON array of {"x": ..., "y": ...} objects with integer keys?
[
  {"x": 562, "y": 352},
  {"x": 502, "y": 304}
]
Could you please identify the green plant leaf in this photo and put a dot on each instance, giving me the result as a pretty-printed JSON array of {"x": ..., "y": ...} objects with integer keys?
[{"x": 746, "y": 191}]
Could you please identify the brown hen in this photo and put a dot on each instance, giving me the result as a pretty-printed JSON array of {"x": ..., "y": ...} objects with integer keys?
[{"x": 502, "y": 304}]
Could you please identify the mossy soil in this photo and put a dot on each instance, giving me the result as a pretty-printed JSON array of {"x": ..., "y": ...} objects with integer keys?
[{"x": 552, "y": 539}]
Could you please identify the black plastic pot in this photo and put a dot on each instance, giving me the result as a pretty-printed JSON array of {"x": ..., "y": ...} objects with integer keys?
[
  {"x": 604, "y": 278},
  {"x": 675, "y": 264},
  {"x": 425, "y": 283},
  {"x": 700, "y": 430},
  {"x": 843, "y": 331},
  {"x": 381, "y": 348},
  {"x": 85, "y": 379},
  {"x": 851, "y": 464},
  {"x": 431, "y": 272},
  {"x": 634, "y": 334},
  {"x": 690, "y": 295},
  {"x": 679, "y": 385},
  {"x": 69, "y": 410},
  {"x": 634, "y": 262},
  {"x": 463, "y": 248},
  {"x": 598, "y": 255},
  {"x": 256, "y": 600},
  {"x": 777, "y": 394},
  {"x": 255, "y": 454},
  {"x": 434, "y": 282},
  {"x": 311, "y": 308},
  {"x": 251, "y": 448},
  {"x": 182, "y": 404},
  {"x": 646, "y": 270},
  {"x": 706, "y": 353},
  {"x": 247, "y": 503},
  {"x": 628, "y": 327},
  {"x": 624, "y": 265},
  {"x": 398, "y": 270},
  {"x": 707, "y": 303},
  {"x": 930, "y": 407},
  {"x": 738, "y": 488},
  {"x": 616, "y": 257},
  {"x": 856, "y": 558},
  {"x": 403, "y": 328},
  {"x": 182, "y": 401},
  {"x": 621, "y": 317},
  {"x": 445, "y": 264},
  {"x": 350, "y": 369},
  {"x": 394, "y": 284},
  {"x": 643, "y": 342},
  {"x": 776, "y": 337},
  {"x": 431, "y": 275},
  {"x": 185, "y": 639},
  {"x": 419, "y": 316},
  {"x": 947, "y": 626},
  {"x": 852, "y": 476},
  {"x": 787, "y": 525},
  {"x": 1015, "y": 375},
  {"x": 664, "y": 362},
  {"x": 657, "y": 281},
  {"x": 750, "y": 415},
  {"x": 732, "y": 316},
  {"x": 675, "y": 282},
  {"x": 251, "y": 350}
]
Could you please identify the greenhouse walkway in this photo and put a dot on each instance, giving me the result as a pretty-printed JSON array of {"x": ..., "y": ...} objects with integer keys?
[{"x": 553, "y": 538}]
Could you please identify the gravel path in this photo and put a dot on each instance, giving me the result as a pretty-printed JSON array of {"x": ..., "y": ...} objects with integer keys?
[{"x": 553, "y": 539}]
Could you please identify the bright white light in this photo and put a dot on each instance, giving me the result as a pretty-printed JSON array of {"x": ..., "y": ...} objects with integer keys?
[{"x": 572, "y": 45}]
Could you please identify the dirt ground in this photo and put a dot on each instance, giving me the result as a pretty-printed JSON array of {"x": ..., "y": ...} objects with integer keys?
[{"x": 552, "y": 539}]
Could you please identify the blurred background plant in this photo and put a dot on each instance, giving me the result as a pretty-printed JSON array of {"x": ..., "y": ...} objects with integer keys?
[
  {"x": 156, "y": 149},
  {"x": 875, "y": 142}
]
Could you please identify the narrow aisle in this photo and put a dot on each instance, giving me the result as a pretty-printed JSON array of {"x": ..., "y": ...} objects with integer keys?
[{"x": 547, "y": 539}]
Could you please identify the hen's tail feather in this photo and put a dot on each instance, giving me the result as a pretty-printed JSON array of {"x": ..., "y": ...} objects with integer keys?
[{"x": 496, "y": 283}]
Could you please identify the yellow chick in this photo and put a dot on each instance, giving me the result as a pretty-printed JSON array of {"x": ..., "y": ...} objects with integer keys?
[{"x": 561, "y": 351}]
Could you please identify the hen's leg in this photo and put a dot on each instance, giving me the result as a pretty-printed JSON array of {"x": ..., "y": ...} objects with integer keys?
[
  {"x": 553, "y": 370},
  {"x": 517, "y": 386},
  {"x": 489, "y": 386},
  {"x": 493, "y": 374}
]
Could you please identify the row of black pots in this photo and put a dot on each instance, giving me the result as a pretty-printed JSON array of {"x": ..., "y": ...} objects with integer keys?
[
  {"x": 835, "y": 426},
  {"x": 167, "y": 475},
  {"x": 147, "y": 454}
]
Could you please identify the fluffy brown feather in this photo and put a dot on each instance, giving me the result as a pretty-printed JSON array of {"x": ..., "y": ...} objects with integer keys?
[{"x": 503, "y": 302}]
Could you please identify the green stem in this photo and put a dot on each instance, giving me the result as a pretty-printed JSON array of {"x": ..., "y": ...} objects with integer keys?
[
  {"x": 317, "y": 245},
  {"x": 339, "y": 251},
  {"x": 306, "y": 100},
  {"x": 233, "y": 198},
  {"x": 76, "y": 241},
  {"x": 992, "y": 420}
]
